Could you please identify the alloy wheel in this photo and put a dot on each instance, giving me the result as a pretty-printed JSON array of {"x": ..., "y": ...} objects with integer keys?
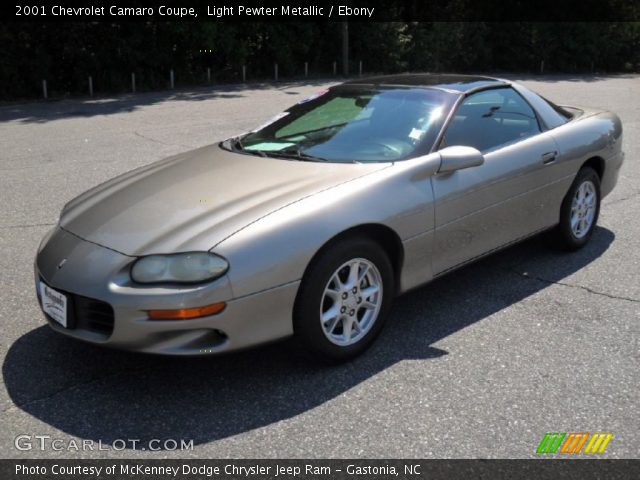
[{"x": 351, "y": 302}]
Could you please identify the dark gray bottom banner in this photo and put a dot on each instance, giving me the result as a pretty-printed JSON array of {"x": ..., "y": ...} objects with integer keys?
[{"x": 319, "y": 469}]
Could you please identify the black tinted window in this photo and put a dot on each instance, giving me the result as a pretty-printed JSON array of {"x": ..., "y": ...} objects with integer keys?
[{"x": 491, "y": 118}]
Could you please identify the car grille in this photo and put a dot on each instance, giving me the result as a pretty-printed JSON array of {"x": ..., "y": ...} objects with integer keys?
[
  {"x": 93, "y": 315},
  {"x": 88, "y": 314}
]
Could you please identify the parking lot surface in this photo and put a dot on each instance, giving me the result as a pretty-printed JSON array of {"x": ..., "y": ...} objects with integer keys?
[{"x": 481, "y": 363}]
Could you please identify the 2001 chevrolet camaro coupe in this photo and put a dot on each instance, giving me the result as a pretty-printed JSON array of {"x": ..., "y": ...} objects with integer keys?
[{"x": 310, "y": 225}]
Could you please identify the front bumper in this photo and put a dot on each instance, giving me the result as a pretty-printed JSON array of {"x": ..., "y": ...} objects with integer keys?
[{"x": 93, "y": 272}]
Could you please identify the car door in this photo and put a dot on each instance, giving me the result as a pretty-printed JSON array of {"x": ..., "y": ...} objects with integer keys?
[{"x": 482, "y": 208}]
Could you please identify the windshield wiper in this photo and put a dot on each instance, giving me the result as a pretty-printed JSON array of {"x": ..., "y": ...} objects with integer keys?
[
  {"x": 236, "y": 143},
  {"x": 328, "y": 127},
  {"x": 295, "y": 155}
]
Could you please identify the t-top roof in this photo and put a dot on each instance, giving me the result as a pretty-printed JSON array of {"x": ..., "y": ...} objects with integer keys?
[{"x": 456, "y": 83}]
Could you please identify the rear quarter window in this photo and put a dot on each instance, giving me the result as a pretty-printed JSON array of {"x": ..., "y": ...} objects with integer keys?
[{"x": 551, "y": 115}]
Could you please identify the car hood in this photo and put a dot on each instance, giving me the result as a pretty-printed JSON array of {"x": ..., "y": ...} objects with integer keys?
[{"x": 195, "y": 200}]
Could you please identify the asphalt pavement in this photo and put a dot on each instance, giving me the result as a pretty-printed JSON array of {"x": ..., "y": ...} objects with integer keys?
[{"x": 481, "y": 363}]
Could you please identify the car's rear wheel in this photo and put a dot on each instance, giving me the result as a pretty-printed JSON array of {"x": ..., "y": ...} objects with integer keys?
[
  {"x": 344, "y": 299},
  {"x": 580, "y": 210}
]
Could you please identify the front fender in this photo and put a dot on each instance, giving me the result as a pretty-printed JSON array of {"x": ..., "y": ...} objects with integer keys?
[{"x": 276, "y": 249}]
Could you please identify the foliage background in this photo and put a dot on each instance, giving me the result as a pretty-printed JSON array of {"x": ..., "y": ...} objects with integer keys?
[{"x": 67, "y": 53}]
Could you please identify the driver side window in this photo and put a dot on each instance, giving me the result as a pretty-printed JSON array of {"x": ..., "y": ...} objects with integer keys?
[{"x": 491, "y": 118}]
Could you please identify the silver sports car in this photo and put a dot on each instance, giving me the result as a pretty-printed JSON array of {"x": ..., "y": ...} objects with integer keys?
[{"x": 311, "y": 224}]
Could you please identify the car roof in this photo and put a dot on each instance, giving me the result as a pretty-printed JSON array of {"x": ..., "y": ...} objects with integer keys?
[{"x": 449, "y": 82}]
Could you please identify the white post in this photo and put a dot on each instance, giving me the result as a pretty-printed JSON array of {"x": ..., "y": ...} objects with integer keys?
[
  {"x": 133, "y": 82},
  {"x": 275, "y": 71},
  {"x": 306, "y": 69},
  {"x": 244, "y": 74},
  {"x": 172, "y": 79},
  {"x": 360, "y": 69},
  {"x": 44, "y": 89},
  {"x": 208, "y": 75},
  {"x": 335, "y": 68},
  {"x": 90, "y": 86}
]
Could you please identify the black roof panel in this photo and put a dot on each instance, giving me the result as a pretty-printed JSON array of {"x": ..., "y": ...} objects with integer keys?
[{"x": 457, "y": 83}]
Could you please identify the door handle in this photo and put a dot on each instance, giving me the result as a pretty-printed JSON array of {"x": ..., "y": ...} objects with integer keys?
[{"x": 549, "y": 157}]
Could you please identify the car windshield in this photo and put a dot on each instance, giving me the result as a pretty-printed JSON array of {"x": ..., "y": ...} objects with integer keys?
[{"x": 353, "y": 124}]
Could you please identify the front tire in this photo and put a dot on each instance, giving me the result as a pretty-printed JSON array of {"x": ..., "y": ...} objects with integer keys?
[
  {"x": 579, "y": 211},
  {"x": 344, "y": 299}
]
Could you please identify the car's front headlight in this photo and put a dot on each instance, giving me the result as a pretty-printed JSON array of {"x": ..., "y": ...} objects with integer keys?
[{"x": 189, "y": 267}]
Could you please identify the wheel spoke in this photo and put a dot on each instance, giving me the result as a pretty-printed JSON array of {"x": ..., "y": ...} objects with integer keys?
[
  {"x": 337, "y": 282},
  {"x": 356, "y": 326},
  {"x": 332, "y": 294},
  {"x": 590, "y": 214},
  {"x": 347, "y": 328},
  {"x": 574, "y": 223},
  {"x": 332, "y": 326},
  {"x": 363, "y": 273},
  {"x": 368, "y": 305},
  {"x": 352, "y": 280},
  {"x": 582, "y": 191},
  {"x": 369, "y": 291},
  {"x": 331, "y": 313}
]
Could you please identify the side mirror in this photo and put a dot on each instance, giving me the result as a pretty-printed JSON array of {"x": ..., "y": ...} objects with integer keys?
[{"x": 458, "y": 157}]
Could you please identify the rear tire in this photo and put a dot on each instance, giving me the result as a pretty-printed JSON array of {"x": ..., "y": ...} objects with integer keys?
[
  {"x": 344, "y": 299},
  {"x": 579, "y": 211}
]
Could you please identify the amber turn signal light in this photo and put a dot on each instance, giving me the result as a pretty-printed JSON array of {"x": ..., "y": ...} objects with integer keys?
[{"x": 187, "y": 313}]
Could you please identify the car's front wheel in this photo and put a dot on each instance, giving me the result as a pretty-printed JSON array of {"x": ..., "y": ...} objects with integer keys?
[
  {"x": 344, "y": 298},
  {"x": 580, "y": 210}
]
